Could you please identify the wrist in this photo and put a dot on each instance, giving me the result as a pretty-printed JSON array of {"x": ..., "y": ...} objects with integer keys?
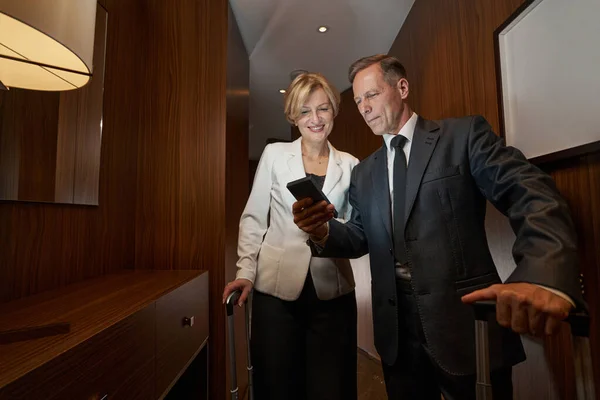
[{"x": 319, "y": 233}]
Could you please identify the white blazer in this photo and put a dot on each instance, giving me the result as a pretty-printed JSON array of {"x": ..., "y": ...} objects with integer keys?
[{"x": 272, "y": 250}]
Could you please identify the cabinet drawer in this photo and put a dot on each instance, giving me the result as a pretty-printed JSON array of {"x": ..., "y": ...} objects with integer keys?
[
  {"x": 117, "y": 363},
  {"x": 176, "y": 341}
]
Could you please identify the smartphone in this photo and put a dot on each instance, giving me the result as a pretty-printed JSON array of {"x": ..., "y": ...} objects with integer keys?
[{"x": 305, "y": 187}]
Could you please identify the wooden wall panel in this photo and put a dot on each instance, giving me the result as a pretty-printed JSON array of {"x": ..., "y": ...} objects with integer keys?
[
  {"x": 163, "y": 164},
  {"x": 181, "y": 142},
  {"x": 447, "y": 47}
]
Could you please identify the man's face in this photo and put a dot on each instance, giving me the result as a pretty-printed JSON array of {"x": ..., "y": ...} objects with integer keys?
[{"x": 380, "y": 104}]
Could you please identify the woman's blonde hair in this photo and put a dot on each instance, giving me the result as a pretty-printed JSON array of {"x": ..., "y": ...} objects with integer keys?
[{"x": 302, "y": 87}]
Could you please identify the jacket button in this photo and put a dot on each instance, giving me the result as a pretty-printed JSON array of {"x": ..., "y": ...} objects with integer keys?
[
  {"x": 392, "y": 301},
  {"x": 391, "y": 251}
]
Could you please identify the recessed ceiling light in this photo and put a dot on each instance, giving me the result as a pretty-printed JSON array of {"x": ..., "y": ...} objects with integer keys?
[
  {"x": 281, "y": 90},
  {"x": 323, "y": 29}
]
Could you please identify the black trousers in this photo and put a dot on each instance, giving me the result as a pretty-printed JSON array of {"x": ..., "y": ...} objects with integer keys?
[
  {"x": 304, "y": 349},
  {"x": 415, "y": 375}
]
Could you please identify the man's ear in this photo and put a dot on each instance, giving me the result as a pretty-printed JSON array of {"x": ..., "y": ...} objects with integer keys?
[{"x": 402, "y": 87}]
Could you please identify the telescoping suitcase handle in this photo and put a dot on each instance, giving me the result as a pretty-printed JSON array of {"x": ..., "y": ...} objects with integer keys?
[
  {"x": 580, "y": 332},
  {"x": 230, "y": 305}
]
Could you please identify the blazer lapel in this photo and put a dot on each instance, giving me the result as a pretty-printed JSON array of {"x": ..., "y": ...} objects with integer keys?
[
  {"x": 424, "y": 141},
  {"x": 381, "y": 188},
  {"x": 334, "y": 170},
  {"x": 294, "y": 161}
]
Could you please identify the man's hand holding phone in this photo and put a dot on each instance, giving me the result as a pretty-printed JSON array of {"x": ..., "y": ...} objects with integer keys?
[{"x": 312, "y": 218}]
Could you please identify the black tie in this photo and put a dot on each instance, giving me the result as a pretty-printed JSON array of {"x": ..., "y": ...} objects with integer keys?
[{"x": 400, "y": 167}]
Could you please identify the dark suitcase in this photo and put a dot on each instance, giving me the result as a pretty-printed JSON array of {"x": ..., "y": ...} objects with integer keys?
[
  {"x": 580, "y": 332},
  {"x": 230, "y": 305}
]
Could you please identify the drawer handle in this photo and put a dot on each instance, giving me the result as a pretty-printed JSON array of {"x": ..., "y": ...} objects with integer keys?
[{"x": 188, "y": 321}]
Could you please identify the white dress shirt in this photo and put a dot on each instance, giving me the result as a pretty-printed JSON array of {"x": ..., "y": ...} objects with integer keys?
[{"x": 408, "y": 130}]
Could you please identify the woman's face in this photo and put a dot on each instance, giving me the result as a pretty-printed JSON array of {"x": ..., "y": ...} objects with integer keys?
[{"x": 316, "y": 117}]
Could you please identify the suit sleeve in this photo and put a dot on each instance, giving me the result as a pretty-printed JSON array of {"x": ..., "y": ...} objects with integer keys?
[
  {"x": 345, "y": 240},
  {"x": 255, "y": 218},
  {"x": 545, "y": 248}
]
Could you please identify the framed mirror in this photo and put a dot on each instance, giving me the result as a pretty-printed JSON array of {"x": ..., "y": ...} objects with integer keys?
[{"x": 50, "y": 141}]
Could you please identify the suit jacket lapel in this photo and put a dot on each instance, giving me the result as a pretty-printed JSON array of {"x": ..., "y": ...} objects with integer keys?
[
  {"x": 424, "y": 141},
  {"x": 381, "y": 188},
  {"x": 294, "y": 161},
  {"x": 334, "y": 170}
]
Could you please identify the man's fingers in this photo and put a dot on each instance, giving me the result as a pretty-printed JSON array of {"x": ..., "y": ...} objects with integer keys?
[
  {"x": 312, "y": 221},
  {"x": 312, "y": 228},
  {"x": 524, "y": 307},
  {"x": 558, "y": 308},
  {"x": 519, "y": 313},
  {"x": 503, "y": 310},
  {"x": 489, "y": 293},
  {"x": 304, "y": 213},
  {"x": 301, "y": 205},
  {"x": 537, "y": 321},
  {"x": 552, "y": 325}
]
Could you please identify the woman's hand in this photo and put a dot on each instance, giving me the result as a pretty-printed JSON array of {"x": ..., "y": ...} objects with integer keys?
[{"x": 239, "y": 284}]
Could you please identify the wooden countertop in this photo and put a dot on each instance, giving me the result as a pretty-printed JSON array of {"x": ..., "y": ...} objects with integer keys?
[{"x": 90, "y": 307}]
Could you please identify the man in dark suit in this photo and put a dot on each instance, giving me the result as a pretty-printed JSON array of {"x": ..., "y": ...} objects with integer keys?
[{"x": 418, "y": 209}]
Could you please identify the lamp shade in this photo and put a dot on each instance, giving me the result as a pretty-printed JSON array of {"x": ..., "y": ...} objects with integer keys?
[{"x": 46, "y": 45}]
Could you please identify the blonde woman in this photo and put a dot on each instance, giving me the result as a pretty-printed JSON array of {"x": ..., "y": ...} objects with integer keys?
[{"x": 304, "y": 309}]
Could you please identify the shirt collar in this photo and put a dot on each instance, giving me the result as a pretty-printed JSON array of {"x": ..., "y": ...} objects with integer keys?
[{"x": 408, "y": 130}]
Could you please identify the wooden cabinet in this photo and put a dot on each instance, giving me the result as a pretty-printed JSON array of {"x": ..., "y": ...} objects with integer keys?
[
  {"x": 181, "y": 328},
  {"x": 131, "y": 337}
]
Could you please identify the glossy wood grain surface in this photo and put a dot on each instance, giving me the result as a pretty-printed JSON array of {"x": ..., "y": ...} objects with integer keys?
[
  {"x": 117, "y": 362},
  {"x": 90, "y": 307}
]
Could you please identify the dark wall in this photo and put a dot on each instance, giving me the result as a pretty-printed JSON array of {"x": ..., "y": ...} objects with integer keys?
[{"x": 447, "y": 47}]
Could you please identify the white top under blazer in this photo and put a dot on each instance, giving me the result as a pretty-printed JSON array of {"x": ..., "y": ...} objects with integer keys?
[{"x": 273, "y": 251}]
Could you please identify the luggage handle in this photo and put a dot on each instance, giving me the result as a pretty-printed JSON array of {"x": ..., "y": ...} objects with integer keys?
[
  {"x": 230, "y": 303},
  {"x": 580, "y": 332}
]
